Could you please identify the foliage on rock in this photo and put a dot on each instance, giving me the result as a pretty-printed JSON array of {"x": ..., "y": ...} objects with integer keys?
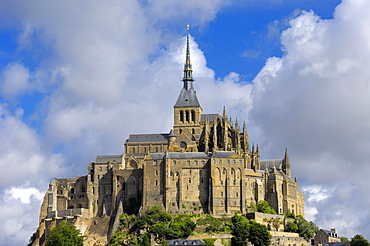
[{"x": 65, "y": 234}]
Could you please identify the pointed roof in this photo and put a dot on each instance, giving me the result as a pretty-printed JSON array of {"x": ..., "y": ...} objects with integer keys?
[{"x": 188, "y": 96}]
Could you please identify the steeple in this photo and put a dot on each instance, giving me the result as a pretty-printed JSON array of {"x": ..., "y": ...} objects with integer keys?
[
  {"x": 187, "y": 95},
  {"x": 286, "y": 163},
  {"x": 188, "y": 70}
]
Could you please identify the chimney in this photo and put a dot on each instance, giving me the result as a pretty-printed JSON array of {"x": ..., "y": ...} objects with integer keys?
[{"x": 332, "y": 230}]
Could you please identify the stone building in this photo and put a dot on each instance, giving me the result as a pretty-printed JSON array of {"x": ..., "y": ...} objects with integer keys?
[
  {"x": 326, "y": 236},
  {"x": 203, "y": 165}
]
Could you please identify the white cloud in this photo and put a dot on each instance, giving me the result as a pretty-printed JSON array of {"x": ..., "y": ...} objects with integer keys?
[
  {"x": 315, "y": 100},
  {"x": 14, "y": 80}
]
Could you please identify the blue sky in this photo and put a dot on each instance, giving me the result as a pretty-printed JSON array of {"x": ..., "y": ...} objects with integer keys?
[{"x": 77, "y": 77}]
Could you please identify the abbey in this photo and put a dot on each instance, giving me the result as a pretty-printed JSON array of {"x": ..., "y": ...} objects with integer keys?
[{"x": 203, "y": 165}]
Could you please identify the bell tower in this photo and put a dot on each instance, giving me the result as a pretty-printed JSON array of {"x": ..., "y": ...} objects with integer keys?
[{"x": 187, "y": 110}]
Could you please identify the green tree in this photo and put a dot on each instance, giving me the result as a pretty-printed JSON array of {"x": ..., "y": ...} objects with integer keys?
[
  {"x": 291, "y": 227},
  {"x": 239, "y": 230},
  {"x": 65, "y": 234},
  {"x": 259, "y": 234},
  {"x": 359, "y": 240},
  {"x": 264, "y": 207},
  {"x": 307, "y": 230},
  {"x": 344, "y": 239}
]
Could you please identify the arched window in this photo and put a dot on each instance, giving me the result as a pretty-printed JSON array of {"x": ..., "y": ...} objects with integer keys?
[{"x": 187, "y": 116}]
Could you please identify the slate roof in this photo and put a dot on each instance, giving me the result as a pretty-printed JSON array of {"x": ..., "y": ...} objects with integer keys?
[
  {"x": 270, "y": 164},
  {"x": 330, "y": 233},
  {"x": 187, "y": 98},
  {"x": 185, "y": 242},
  {"x": 106, "y": 158},
  {"x": 143, "y": 138},
  {"x": 210, "y": 117},
  {"x": 274, "y": 166},
  {"x": 225, "y": 154},
  {"x": 180, "y": 155}
]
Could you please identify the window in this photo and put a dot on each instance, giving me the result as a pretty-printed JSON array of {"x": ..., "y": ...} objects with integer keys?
[
  {"x": 222, "y": 182},
  {"x": 181, "y": 116},
  {"x": 173, "y": 162},
  {"x": 202, "y": 163},
  {"x": 220, "y": 161},
  {"x": 189, "y": 181},
  {"x": 100, "y": 169},
  {"x": 133, "y": 150},
  {"x": 155, "y": 163},
  {"x": 214, "y": 161},
  {"x": 187, "y": 116},
  {"x": 234, "y": 161},
  {"x": 193, "y": 116},
  {"x": 228, "y": 161},
  {"x": 234, "y": 182},
  {"x": 188, "y": 163},
  {"x": 196, "y": 163},
  {"x": 222, "y": 194},
  {"x": 240, "y": 162},
  {"x": 193, "y": 131},
  {"x": 156, "y": 149},
  {"x": 156, "y": 172},
  {"x": 156, "y": 183},
  {"x": 144, "y": 149},
  {"x": 237, "y": 194}
]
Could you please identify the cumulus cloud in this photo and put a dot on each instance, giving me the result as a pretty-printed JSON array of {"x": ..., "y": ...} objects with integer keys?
[
  {"x": 14, "y": 80},
  {"x": 315, "y": 100}
]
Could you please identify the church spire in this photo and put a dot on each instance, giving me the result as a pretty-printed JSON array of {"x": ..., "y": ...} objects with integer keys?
[
  {"x": 187, "y": 95},
  {"x": 188, "y": 70}
]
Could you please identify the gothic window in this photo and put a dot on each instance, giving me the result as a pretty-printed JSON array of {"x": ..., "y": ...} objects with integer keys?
[
  {"x": 193, "y": 116},
  {"x": 187, "y": 116}
]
